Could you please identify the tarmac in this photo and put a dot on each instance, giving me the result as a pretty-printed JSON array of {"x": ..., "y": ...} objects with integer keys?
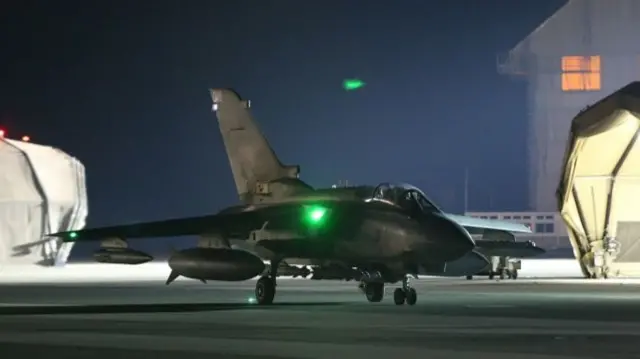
[{"x": 454, "y": 318}]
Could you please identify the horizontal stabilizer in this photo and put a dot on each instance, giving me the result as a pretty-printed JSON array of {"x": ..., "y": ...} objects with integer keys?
[
  {"x": 471, "y": 222},
  {"x": 493, "y": 248}
]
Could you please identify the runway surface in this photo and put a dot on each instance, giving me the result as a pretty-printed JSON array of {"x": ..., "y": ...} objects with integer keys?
[{"x": 454, "y": 318}]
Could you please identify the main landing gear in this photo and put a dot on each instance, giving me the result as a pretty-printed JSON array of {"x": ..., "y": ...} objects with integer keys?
[
  {"x": 265, "y": 290},
  {"x": 266, "y": 285},
  {"x": 505, "y": 273},
  {"x": 374, "y": 291},
  {"x": 504, "y": 267}
]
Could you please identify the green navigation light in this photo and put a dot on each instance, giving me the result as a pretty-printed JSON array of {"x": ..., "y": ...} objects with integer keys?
[
  {"x": 73, "y": 235},
  {"x": 315, "y": 214},
  {"x": 352, "y": 84}
]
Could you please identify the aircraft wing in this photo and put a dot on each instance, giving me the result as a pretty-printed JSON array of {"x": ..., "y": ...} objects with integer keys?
[
  {"x": 251, "y": 218},
  {"x": 478, "y": 223}
]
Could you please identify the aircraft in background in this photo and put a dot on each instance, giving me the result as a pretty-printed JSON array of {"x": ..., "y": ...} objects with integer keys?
[{"x": 395, "y": 234}]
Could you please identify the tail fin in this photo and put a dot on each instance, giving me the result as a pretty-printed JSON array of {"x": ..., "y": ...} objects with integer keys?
[{"x": 255, "y": 166}]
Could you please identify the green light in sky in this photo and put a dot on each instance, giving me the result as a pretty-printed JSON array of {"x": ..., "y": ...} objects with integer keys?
[
  {"x": 73, "y": 235},
  {"x": 352, "y": 84}
]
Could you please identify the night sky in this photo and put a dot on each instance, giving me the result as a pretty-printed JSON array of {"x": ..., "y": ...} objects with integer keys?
[{"x": 123, "y": 86}]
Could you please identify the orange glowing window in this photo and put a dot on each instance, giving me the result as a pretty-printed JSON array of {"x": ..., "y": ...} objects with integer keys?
[{"x": 581, "y": 73}]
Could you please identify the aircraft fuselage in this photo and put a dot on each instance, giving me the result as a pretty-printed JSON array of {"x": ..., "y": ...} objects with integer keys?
[{"x": 381, "y": 236}]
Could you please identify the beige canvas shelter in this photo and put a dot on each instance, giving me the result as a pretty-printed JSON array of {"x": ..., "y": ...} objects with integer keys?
[
  {"x": 599, "y": 192},
  {"x": 42, "y": 190}
]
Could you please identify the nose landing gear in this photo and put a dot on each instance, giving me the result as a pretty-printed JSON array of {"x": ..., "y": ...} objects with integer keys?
[{"x": 406, "y": 294}]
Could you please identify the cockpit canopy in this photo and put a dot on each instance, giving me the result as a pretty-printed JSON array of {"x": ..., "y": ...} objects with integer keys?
[{"x": 405, "y": 196}]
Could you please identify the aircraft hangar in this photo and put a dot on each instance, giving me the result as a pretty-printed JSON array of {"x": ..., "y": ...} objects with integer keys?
[
  {"x": 599, "y": 191},
  {"x": 581, "y": 54},
  {"x": 42, "y": 190}
]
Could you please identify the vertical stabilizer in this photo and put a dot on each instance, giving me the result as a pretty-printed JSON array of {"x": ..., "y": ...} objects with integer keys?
[{"x": 254, "y": 165}]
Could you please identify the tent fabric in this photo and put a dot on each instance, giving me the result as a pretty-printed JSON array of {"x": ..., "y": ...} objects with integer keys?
[
  {"x": 42, "y": 190},
  {"x": 600, "y": 183}
]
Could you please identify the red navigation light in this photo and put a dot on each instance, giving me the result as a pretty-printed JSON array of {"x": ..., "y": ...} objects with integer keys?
[
  {"x": 1, "y": 132},
  {"x": 26, "y": 138}
]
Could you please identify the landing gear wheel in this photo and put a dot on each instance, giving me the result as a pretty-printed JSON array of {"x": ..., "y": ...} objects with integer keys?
[
  {"x": 362, "y": 287},
  {"x": 265, "y": 290},
  {"x": 503, "y": 274},
  {"x": 374, "y": 292},
  {"x": 412, "y": 296},
  {"x": 514, "y": 274},
  {"x": 399, "y": 296},
  {"x": 491, "y": 275},
  {"x": 469, "y": 277}
]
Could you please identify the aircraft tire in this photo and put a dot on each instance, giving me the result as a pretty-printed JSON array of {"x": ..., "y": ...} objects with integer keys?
[
  {"x": 469, "y": 277},
  {"x": 374, "y": 292},
  {"x": 399, "y": 296},
  {"x": 491, "y": 275},
  {"x": 265, "y": 291},
  {"x": 514, "y": 274},
  {"x": 412, "y": 296}
]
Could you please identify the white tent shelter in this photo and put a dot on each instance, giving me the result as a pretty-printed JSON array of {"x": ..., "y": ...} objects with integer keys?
[
  {"x": 42, "y": 190},
  {"x": 599, "y": 192}
]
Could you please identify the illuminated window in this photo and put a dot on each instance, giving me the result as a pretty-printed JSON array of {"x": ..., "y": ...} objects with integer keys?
[{"x": 581, "y": 73}]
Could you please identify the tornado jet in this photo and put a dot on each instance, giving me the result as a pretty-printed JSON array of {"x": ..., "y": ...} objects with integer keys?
[
  {"x": 378, "y": 241},
  {"x": 388, "y": 235},
  {"x": 261, "y": 177}
]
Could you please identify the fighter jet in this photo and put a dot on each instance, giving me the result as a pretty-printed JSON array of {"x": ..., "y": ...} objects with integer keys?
[
  {"x": 392, "y": 235},
  {"x": 375, "y": 242},
  {"x": 261, "y": 177}
]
